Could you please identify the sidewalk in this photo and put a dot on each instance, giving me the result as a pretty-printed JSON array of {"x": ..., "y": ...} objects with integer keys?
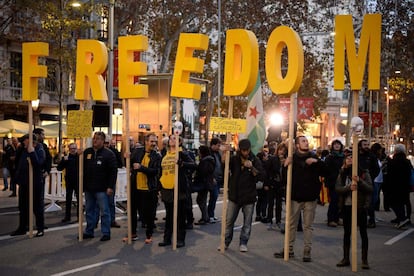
[{"x": 5, "y": 200}]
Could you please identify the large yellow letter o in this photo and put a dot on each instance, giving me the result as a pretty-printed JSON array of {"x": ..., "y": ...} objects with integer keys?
[{"x": 280, "y": 38}]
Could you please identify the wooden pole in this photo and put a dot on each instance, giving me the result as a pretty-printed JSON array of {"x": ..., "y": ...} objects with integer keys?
[
  {"x": 30, "y": 112},
  {"x": 177, "y": 145},
  {"x": 80, "y": 202},
  {"x": 226, "y": 182},
  {"x": 354, "y": 193},
  {"x": 125, "y": 132},
  {"x": 289, "y": 175}
]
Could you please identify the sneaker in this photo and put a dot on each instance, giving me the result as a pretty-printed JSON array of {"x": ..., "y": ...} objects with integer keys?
[
  {"x": 226, "y": 246},
  {"x": 281, "y": 254},
  {"x": 18, "y": 232},
  {"x": 332, "y": 224},
  {"x": 134, "y": 237},
  {"x": 87, "y": 236},
  {"x": 214, "y": 220},
  {"x": 307, "y": 255},
  {"x": 115, "y": 225},
  {"x": 164, "y": 243},
  {"x": 402, "y": 223},
  {"x": 201, "y": 222},
  {"x": 243, "y": 248},
  {"x": 105, "y": 238}
]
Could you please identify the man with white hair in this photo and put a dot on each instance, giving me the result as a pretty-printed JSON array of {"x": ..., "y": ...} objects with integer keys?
[{"x": 397, "y": 184}]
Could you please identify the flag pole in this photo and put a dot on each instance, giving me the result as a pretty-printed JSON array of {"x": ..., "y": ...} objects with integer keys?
[
  {"x": 293, "y": 98},
  {"x": 125, "y": 131},
  {"x": 176, "y": 179},
  {"x": 30, "y": 111},
  {"x": 354, "y": 225},
  {"x": 226, "y": 181},
  {"x": 80, "y": 191}
]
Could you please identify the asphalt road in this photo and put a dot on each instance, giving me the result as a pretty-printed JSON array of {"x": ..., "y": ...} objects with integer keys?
[{"x": 391, "y": 251}]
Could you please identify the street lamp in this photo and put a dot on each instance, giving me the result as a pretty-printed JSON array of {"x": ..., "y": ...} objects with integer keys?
[{"x": 35, "y": 107}]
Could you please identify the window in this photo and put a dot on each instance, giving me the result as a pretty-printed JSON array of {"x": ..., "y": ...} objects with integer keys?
[{"x": 16, "y": 69}]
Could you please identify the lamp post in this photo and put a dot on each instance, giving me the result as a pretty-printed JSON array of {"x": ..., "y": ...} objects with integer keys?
[
  {"x": 389, "y": 97},
  {"x": 118, "y": 112},
  {"x": 111, "y": 64}
]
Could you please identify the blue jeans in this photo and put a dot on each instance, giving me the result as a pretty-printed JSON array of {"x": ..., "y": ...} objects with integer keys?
[
  {"x": 374, "y": 200},
  {"x": 97, "y": 199},
  {"x": 6, "y": 175},
  {"x": 231, "y": 216}
]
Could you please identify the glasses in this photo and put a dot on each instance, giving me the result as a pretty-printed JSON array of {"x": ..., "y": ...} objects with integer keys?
[{"x": 72, "y": 148}]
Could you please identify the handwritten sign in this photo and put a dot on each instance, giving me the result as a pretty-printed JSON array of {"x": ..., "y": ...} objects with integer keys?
[
  {"x": 80, "y": 123},
  {"x": 227, "y": 125}
]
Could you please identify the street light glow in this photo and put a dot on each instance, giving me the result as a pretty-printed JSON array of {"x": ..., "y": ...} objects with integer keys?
[
  {"x": 276, "y": 119},
  {"x": 75, "y": 4}
]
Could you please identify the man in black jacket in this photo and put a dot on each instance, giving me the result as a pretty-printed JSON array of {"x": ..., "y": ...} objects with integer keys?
[
  {"x": 99, "y": 178},
  {"x": 306, "y": 171},
  {"x": 70, "y": 163},
  {"x": 245, "y": 170}
]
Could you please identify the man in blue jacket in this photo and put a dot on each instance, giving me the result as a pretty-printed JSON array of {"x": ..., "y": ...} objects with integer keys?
[
  {"x": 99, "y": 178},
  {"x": 37, "y": 155}
]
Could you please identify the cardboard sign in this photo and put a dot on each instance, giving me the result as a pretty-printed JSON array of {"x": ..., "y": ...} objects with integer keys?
[{"x": 219, "y": 124}]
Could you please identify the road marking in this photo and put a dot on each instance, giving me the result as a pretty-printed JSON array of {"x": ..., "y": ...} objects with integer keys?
[
  {"x": 399, "y": 237},
  {"x": 85, "y": 267}
]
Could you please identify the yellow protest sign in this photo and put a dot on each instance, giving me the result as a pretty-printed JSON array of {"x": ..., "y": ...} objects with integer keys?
[
  {"x": 219, "y": 124},
  {"x": 80, "y": 123}
]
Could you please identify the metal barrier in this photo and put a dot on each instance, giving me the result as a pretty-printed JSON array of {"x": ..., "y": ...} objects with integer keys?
[{"x": 55, "y": 190}]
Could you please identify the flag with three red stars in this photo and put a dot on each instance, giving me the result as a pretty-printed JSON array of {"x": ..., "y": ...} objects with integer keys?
[{"x": 256, "y": 130}]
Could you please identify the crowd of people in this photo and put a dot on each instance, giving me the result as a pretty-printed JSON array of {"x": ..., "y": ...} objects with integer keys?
[{"x": 257, "y": 182}]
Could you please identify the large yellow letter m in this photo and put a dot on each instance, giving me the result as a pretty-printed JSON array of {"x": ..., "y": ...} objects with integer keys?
[{"x": 345, "y": 43}]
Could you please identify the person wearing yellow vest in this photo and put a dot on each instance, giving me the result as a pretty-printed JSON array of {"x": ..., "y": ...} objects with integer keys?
[
  {"x": 168, "y": 162},
  {"x": 145, "y": 171}
]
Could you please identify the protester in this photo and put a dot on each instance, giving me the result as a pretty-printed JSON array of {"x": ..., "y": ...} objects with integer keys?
[
  {"x": 306, "y": 172},
  {"x": 6, "y": 153},
  {"x": 204, "y": 181},
  {"x": 120, "y": 164},
  {"x": 334, "y": 162},
  {"x": 276, "y": 184},
  {"x": 245, "y": 170},
  {"x": 262, "y": 191},
  {"x": 346, "y": 183},
  {"x": 15, "y": 153},
  {"x": 218, "y": 177},
  {"x": 167, "y": 191},
  {"x": 70, "y": 163},
  {"x": 398, "y": 185},
  {"x": 376, "y": 151},
  {"x": 36, "y": 155},
  {"x": 99, "y": 178},
  {"x": 145, "y": 172}
]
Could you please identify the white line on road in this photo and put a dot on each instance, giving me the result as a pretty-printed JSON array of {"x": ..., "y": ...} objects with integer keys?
[
  {"x": 399, "y": 237},
  {"x": 85, "y": 267}
]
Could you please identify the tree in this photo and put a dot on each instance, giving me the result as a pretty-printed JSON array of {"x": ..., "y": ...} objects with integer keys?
[{"x": 397, "y": 55}]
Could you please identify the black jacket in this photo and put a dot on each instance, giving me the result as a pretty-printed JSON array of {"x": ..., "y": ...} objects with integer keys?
[
  {"x": 204, "y": 178},
  {"x": 242, "y": 183},
  {"x": 334, "y": 162},
  {"x": 72, "y": 169},
  {"x": 100, "y": 170},
  {"x": 306, "y": 183},
  {"x": 153, "y": 171}
]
